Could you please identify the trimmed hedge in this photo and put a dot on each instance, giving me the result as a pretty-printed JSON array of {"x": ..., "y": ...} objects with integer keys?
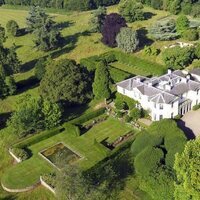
[
  {"x": 37, "y": 138},
  {"x": 86, "y": 117}
]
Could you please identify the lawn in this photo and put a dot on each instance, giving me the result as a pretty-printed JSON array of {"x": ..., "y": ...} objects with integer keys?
[{"x": 27, "y": 173}]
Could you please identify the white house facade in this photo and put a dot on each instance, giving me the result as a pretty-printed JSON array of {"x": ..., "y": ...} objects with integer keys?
[{"x": 166, "y": 96}]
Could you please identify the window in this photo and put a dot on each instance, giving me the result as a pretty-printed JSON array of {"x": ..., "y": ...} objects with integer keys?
[
  {"x": 154, "y": 117},
  {"x": 172, "y": 105},
  {"x": 172, "y": 115},
  {"x": 161, "y": 117},
  {"x": 123, "y": 91},
  {"x": 197, "y": 102},
  {"x": 161, "y": 106}
]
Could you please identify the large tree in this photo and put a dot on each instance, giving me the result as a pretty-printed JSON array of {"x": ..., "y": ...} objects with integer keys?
[
  {"x": 131, "y": 10},
  {"x": 163, "y": 30},
  {"x": 47, "y": 36},
  {"x": 97, "y": 19},
  {"x": 112, "y": 25},
  {"x": 2, "y": 35},
  {"x": 186, "y": 166},
  {"x": 101, "y": 82},
  {"x": 67, "y": 82},
  {"x": 34, "y": 114},
  {"x": 127, "y": 40}
]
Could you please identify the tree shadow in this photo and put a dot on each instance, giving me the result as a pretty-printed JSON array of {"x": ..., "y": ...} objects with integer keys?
[
  {"x": 68, "y": 44},
  {"x": 28, "y": 65},
  {"x": 144, "y": 40},
  {"x": 148, "y": 15},
  {"x": 187, "y": 131},
  {"x": 3, "y": 119},
  {"x": 62, "y": 25},
  {"x": 22, "y": 32},
  {"x": 27, "y": 84}
]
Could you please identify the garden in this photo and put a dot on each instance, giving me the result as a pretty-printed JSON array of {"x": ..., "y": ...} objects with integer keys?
[{"x": 82, "y": 145}]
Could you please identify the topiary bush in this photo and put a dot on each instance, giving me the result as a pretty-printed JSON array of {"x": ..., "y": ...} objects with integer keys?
[{"x": 148, "y": 160}]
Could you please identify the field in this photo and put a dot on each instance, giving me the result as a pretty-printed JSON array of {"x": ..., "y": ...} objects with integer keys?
[{"x": 27, "y": 173}]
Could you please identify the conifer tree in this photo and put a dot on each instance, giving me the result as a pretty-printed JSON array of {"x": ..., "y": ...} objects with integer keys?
[{"x": 101, "y": 82}]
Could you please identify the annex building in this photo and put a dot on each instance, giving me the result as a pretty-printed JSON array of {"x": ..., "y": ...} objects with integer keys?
[{"x": 167, "y": 96}]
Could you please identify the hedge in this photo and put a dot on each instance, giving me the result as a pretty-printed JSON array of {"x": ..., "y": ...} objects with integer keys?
[
  {"x": 20, "y": 153},
  {"x": 86, "y": 117},
  {"x": 37, "y": 138},
  {"x": 144, "y": 65},
  {"x": 118, "y": 75}
]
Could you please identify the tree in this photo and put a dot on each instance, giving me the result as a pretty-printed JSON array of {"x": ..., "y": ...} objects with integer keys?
[
  {"x": 127, "y": 40},
  {"x": 97, "y": 19},
  {"x": 135, "y": 114},
  {"x": 101, "y": 82},
  {"x": 34, "y": 114},
  {"x": 163, "y": 30},
  {"x": 195, "y": 10},
  {"x": 47, "y": 36},
  {"x": 190, "y": 35},
  {"x": 182, "y": 24},
  {"x": 11, "y": 85},
  {"x": 12, "y": 27},
  {"x": 187, "y": 170},
  {"x": 66, "y": 82},
  {"x": 2, "y": 35},
  {"x": 178, "y": 57},
  {"x": 112, "y": 25},
  {"x": 197, "y": 51},
  {"x": 131, "y": 10},
  {"x": 175, "y": 7},
  {"x": 36, "y": 18},
  {"x": 40, "y": 68},
  {"x": 52, "y": 114}
]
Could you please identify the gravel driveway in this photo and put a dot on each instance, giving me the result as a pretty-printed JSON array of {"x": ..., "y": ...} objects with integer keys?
[{"x": 190, "y": 124}]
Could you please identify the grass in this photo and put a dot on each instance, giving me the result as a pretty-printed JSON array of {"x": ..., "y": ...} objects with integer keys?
[{"x": 27, "y": 173}]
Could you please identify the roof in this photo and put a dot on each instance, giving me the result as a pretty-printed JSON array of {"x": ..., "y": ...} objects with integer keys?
[
  {"x": 195, "y": 71},
  {"x": 163, "y": 89}
]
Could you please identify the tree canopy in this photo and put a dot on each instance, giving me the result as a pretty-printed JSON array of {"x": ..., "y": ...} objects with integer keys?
[
  {"x": 66, "y": 82},
  {"x": 186, "y": 166},
  {"x": 112, "y": 25}
]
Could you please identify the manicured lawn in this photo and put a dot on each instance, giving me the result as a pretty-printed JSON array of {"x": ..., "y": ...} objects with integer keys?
[{"x": 27, "y": 173}]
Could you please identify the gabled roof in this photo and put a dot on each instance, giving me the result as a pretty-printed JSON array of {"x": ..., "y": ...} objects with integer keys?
[{"x": 163, "y": 98}]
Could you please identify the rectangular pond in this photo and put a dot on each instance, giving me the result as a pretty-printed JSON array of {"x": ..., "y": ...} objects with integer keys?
[{"x": 59, "y": 155}]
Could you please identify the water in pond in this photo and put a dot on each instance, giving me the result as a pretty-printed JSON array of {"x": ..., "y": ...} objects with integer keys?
[{"x": 60, "y": 155}]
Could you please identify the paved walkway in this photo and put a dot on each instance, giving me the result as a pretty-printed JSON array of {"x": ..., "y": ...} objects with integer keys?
[{"x": 190, "y": 124}]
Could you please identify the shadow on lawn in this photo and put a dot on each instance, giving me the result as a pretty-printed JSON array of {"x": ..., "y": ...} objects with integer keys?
[
  {"x": 68, "y": 44},
  {"x": 10, "y": 197},
  {"x": 144, "y": 40},
  {"x": 3, "y": 119},
  {"x": 27, "y": 84}
]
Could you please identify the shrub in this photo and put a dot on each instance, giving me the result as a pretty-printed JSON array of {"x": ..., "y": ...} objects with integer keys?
[
  {"x": 135, "y": 114},
  {"x": 151, "y": 51},
  {"x": 144, "y": 139},
  {"x": 119, "y": 114},
  {"x": 182, "y": 24},
  {"x": 127, "y": 119},
  {"x": 191, "y": 35},
  {"x": 20, "y": 153},
  {"x": 178, "y": 57},
  {"x": 50, "y": 179},
  {"x": 196, "y": 107},
  {"x": 148, "y": 160},
  {"x": 197, "y": 51}
]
